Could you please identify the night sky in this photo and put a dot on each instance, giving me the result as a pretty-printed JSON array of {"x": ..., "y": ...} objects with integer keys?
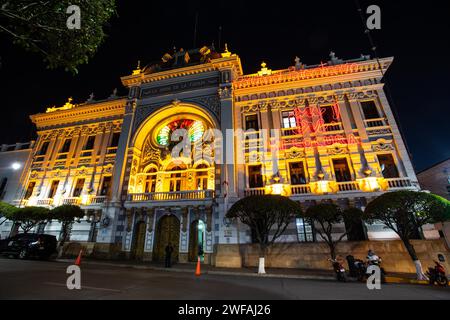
[{"x": 416, "y": 35}]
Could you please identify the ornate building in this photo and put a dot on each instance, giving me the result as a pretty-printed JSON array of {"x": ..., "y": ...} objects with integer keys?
[{"x": 312, "y": 133}]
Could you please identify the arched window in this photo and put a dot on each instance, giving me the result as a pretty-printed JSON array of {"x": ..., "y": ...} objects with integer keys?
[{"x": 150, "y": 181}]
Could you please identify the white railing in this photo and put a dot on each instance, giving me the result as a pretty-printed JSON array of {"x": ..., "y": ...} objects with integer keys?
[
  {"x": 171, "y": 196},
  {"x": 348, "y": 186},
  {"x": 255, "y": 192},
  {"x": 301, "y": 189},
  {"x": 72, "y": 201},
  {"x": 394, "y": 183},
  {"x": 44, "y": 202},
  {"x": 97, "y": 200},
  {"x": 372, "y": 123}
]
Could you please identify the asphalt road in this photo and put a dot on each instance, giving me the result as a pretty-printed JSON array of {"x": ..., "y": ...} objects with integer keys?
[{"x": 47, "y": 280}]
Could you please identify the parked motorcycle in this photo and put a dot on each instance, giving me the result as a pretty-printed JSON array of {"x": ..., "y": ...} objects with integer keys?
[
  {"x": 339, "y": 270},
  {"x": 437, "y": 275},
  {"x": 374, "y": 260}
]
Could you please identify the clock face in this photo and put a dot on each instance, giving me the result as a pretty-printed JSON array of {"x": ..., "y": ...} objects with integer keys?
[{"x": 194, "y": 128}]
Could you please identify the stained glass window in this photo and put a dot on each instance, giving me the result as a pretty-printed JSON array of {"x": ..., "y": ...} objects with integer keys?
[{"x": 195, "y": 130}]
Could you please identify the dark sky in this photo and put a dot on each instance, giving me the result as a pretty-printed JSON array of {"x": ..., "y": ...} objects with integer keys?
[{"x": 417, "y": 35}]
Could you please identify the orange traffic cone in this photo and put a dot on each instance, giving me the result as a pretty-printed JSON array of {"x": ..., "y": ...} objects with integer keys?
[
  {"x": 78, "y": 259},
  {"x": 197, "y": 270}
]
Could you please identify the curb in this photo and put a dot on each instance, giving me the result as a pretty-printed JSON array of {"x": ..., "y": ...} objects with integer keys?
[
  {"x": 393, "y": 280},
  {"x": 212, "y": 272}
]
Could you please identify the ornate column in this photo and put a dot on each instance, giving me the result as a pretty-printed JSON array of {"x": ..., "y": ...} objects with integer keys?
[
  {"x": 209, "y": 232},
  {"x": 150, "y": 232},
  {"x": 128, "y": 232}
]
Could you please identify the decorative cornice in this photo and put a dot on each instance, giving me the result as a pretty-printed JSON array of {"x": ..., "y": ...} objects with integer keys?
[
  {"x": 233, "y": 62},
  {"x": 82, "y": 113}
]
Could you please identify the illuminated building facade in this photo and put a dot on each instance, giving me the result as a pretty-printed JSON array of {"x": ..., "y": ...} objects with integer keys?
[{"x": 312, "y": 133}]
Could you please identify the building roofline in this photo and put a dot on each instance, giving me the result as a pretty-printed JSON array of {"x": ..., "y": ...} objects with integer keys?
[{"x": 434, "y": 165}]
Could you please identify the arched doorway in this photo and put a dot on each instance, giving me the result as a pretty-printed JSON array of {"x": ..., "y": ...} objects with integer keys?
[
  {"x": 137, "y": 246},
  {"x": 196, "y": 240},
  {"x": 167, "y": 231}
]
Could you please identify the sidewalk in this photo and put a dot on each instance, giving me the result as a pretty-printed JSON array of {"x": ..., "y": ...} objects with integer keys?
[{"x": 287, "y": 273}]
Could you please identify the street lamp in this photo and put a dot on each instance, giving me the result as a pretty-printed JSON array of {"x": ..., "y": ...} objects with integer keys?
[{"x": 16, "y": 166}]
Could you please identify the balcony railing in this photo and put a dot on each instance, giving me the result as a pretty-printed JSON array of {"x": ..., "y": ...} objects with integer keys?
[
  {"x": 300, "y": 189},
  {"x": 97, "y": 200},
  {"x": 72, "y": 201},
  {"x": 172, "y": 196},
  {"x": 394, "y": 183},
  {"x": 348, "y": 186},
  {"x": 291, "y": 131},
  {"x": 255, "y": 192},
  {"x": 372, "y": 123},
  {"x": 336, "y": 126},
  {"x": 44, "y": 202}
]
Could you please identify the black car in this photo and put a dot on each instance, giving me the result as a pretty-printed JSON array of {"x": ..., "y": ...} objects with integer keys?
[{"x": 29, "y": 245}]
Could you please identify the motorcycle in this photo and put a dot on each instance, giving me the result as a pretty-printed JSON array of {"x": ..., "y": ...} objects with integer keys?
[
  {"x": 437, "y": 275},
  {"x": 376, "y": 261},
  {"x": 361, "y": 267},
  {"x": 339, "y": 270}
]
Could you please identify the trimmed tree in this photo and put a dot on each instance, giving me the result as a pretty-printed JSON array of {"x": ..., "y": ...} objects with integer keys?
[
  {"x": 29, "y": 217},
  {"x": 41, "y": 26},
  {"x": 267, "y": 216},
  {"x": 66, "y": 215},
  {"x": 405, "y": 212},
  {"x": 325, "y": 215},
  {"x": 6, "y": 211}
]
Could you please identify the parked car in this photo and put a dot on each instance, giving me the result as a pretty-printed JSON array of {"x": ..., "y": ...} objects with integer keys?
[{"x": 29, "y": 245}]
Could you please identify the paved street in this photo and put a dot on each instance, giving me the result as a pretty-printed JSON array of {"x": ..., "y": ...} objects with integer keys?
[{"x": 46, "y": 280}]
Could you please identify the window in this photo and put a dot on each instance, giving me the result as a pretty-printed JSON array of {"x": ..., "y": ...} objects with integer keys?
[
  {"x": 89, "y": 143},
  {"x": 115, "y": 139},
  {"x": 106, "y": 186},
  {"x": 388, "y": 167},
  {"x": 53, "y": 189},
  {"x": 297, "y": 173},
  {"x": 150, "y": 181},
  {"x": 341, "y": 170},
  {"x": 289, "y": 120},
  {"x": 251, "y": 122},
  {"x": 328, "y": 115},
  {"x": 370, "y": 110},
  {"x": 255, "y": 177},
  {"x": 78, "y": 187},
  {"x": 30, "y": 190},
  {"x": 201, "y": 178},
  {"x": 3, "y": 187},
  {"x": 175, "y": 180},
  {"x": 66, "y": 146},
  {"x": 304, "y": 230},
  {"x": 44, "y": 148}
]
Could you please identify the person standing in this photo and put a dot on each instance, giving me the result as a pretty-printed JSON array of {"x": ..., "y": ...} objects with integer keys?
[{"x": 169, "y": 250}]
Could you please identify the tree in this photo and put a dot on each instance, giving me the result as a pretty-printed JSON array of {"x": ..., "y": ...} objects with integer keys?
[
  {"x": 41, "y": 26},
  {"x": 66, "y": 215},
  {"x": 326, "y": 215},
  {"x": 6, "y": 211},
  {"x": 405, "y": 212},
  {"x": 267, "y": 216},
  {"x": 28, "y": 217}
]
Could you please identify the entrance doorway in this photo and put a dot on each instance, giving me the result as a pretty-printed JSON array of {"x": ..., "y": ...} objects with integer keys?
[
  {"x": 196, "y": 240},
  {"x": 137, "y": 247},
  {"x": 167, "y": 231}
]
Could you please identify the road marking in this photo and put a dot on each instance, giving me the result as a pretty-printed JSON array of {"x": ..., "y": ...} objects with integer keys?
[{"x": 83, "y": 287}]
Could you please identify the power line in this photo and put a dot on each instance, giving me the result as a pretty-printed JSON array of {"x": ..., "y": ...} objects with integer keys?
[{"x": 386, "y": 84}]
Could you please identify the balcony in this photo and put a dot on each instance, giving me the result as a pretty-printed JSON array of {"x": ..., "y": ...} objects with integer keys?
[
  {"x": 172, "y": 196},
  {"x": 373, "y": 123},
  {"x": 330, "y": 127},
  {"x": 255, "y": 192},
  {"x": 348, "y": 186},
  {"x": 301, "y": 189},
  {"x": 97, "y": 200},
  {"x": 44, "y": 202},
  {"x": 75, "y": 201},
  {"x": 399, "y": 183}
]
